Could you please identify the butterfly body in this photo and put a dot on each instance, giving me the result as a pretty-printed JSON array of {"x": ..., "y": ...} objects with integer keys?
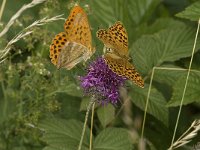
[
  {"x": 115, "y": 40},
  {"x": 74, "y": 45}
]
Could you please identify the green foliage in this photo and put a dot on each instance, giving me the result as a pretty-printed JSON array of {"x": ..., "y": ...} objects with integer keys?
[
  {"x": 192, "y": 92},
  {"x": 143, "y": 10},
  {"x": 156, "y": 106},
  {"x": 192, "y": 12},
  {"x": 106, "y": 114},
  {"x": 168, "y": 77},
  {"x": 44, "y": 108},
  {"x": 63, "y": 134},
  {"x": 113, "y": 138},
  {"x": 165, "y": 46}
]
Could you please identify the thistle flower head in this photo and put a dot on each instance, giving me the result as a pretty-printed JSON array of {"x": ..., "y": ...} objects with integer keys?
[{"x": 102, "y": 82}]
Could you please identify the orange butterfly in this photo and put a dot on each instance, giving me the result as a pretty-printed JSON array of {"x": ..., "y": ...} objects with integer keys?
[
  {"x": 75, "y": 44},
  {"x": 115, "y": 40}
]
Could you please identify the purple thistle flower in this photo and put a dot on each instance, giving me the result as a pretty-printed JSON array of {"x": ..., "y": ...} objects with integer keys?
[{"x": 102, "y": 82}]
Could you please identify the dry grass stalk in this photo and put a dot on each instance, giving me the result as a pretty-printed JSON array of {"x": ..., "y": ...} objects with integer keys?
[
  {"x": 187, "y": 136},
  {"x": 28, "y": 30},
  {"x": 18, "y": 13}
]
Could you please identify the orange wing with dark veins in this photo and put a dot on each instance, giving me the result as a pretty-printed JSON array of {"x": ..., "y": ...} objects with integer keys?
[
  {"x": 75, "y": 44},
  {"x": 122, "y": 67}
]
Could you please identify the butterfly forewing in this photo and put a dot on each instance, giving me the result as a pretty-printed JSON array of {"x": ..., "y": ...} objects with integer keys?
[
  {"x": 77, "y": 27},
  {"x": 118, "y": 32},
  {"x": 115, "y": 38}
]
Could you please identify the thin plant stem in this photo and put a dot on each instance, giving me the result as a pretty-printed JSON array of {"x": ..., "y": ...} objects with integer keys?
[
  {"x": 91, "y": 128},
  {"x": 185, "y": 87},
  {"x": 147, "y": 102},
  {"x": 175, "y": 69},
  {"x": 85, "y": 123},
  {"x": 2, "y": 8}
]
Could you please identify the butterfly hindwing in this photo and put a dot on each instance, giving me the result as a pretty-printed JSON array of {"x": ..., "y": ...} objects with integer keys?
[
  {"x": 131, "y": 73},
  {"x": 57, "y": 44},
  {"x": 71, "y": 54},
  {"x": 122, "y": 67},
  {"x": 114, "y": 63}
]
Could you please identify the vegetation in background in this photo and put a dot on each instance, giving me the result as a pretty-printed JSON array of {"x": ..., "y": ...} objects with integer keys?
[{"x": 44, "y": 108}]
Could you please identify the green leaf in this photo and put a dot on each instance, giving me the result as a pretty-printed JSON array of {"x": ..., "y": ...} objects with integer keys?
[
  {"x": 104, "y": 11},
  {"x": 165, "y": 46},
  {"x": 8, "y": 108},
  {"x": 168, "y": 74},
  {"x": 156, "y": 106},
  {"x": 106, "y": 114},
  {"x": 141, "y": 10},
  {"x": 192, "y": 12},
  {"x": 136, "y": 11},
  {"x": 136, "y": 15},
  {"x": 71, "y": 89},
  {"x": 113, "y": 139},
  {"x": 133, "y": 14},
  {"x": 70, "y": 106},
  {"x": 84, "y": 103},
  {"x": 192, "y": 91},
  {"x": 63, "y": 134},
  {"x": 161, "y": 24}
]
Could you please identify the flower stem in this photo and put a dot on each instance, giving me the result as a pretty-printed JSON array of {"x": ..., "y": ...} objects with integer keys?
[
  {"x": 85, "y": 123},
  {"x": 91, "y": 128}
]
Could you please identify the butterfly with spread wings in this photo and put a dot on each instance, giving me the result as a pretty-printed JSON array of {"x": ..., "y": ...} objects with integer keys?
[
  {"x": 74, "y": 45},
  {"x": 115, "y": 40}
]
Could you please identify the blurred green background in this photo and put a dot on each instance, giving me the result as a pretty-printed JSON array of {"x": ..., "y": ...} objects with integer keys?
[{"x": 43, "y": 108}]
